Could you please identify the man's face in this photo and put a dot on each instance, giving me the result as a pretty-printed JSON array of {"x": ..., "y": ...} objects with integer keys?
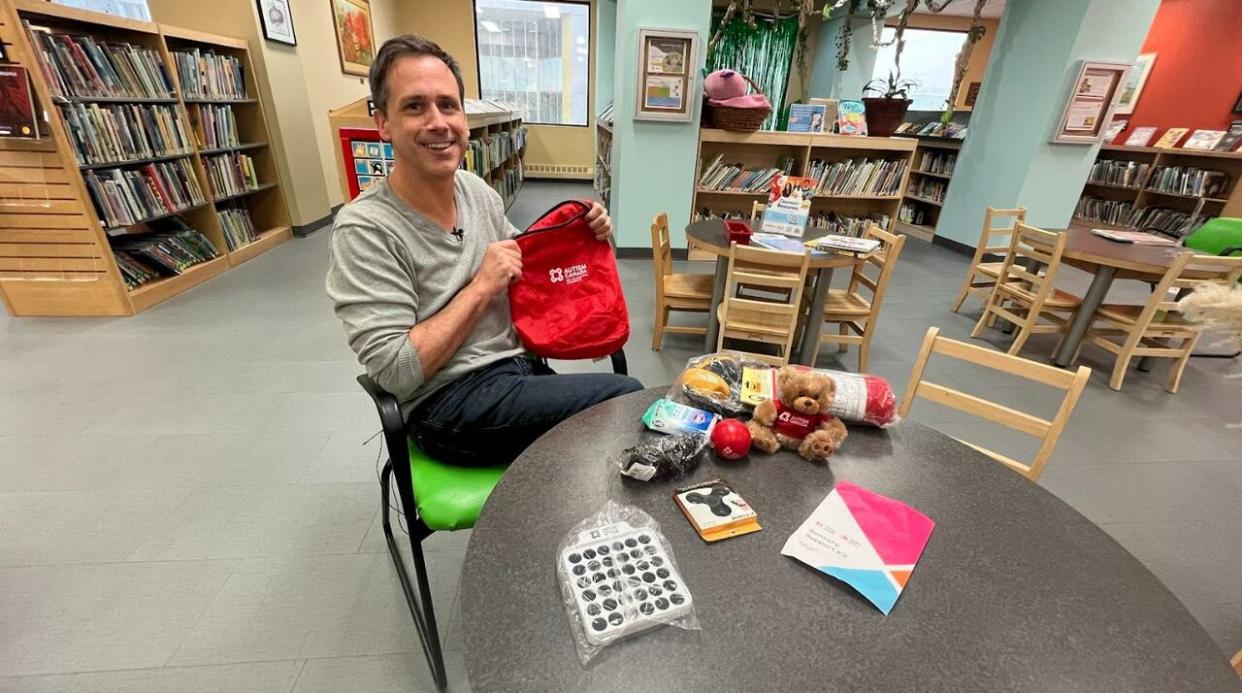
[{"x": 424, "y": 121}]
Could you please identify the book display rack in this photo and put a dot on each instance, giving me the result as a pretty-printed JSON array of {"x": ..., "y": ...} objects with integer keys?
[{"x": 139, "y": 188}]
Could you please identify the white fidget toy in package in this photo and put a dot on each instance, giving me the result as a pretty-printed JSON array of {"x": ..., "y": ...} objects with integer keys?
[{"x": 618, "y": 577}]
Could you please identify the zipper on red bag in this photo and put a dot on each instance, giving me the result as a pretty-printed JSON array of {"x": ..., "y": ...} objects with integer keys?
[{"x": 559, "y": 226}]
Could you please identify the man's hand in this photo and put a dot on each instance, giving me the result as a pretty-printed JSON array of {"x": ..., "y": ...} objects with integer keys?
[
  {"x": 599, "y": 221},
  {"x": 502, "y": 265}
]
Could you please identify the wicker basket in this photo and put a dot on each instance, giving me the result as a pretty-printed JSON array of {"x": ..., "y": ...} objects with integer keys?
[{"x": 739, "y": 119}]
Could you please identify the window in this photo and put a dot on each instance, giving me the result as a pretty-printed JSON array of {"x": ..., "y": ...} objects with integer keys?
[
  {"x": 928, "y": 58},
  {"x": 535, "y": 57}
]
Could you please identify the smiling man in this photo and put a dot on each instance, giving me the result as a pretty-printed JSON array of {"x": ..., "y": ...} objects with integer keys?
[{"x": 419, "y": 274}]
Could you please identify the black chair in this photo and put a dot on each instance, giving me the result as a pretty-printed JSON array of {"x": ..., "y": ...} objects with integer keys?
[{"x": 450, "y": 498}]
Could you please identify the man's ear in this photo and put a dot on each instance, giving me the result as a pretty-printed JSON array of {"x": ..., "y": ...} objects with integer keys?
[{"x": 381, "y": 124}]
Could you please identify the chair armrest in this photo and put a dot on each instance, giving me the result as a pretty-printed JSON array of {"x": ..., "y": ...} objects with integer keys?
[
  {"x": 390, "y": 419},
  {"x": 1231, "y": 250},
  {"x": 619, "y": 365}
]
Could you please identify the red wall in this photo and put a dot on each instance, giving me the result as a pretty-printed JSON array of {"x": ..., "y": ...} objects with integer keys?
[{"x": 1197, "y": 76}]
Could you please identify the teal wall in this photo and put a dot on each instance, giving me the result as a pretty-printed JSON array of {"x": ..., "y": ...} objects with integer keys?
[
  {"x": 605, "y": 52},
  {"x": 653, "y": 162},
  {"x": 1008, "y": 159},
  {"x": 829, "y": 83}
]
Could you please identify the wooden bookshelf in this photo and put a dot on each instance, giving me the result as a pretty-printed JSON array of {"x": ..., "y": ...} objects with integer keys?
[
  {"x": 55, "y": 253},
  {"x": 354, "y": 116},
  {"x": 919, "y": 207},
  {"x": 1141, "y": 195},
  {"x": 763, "y": 149}
]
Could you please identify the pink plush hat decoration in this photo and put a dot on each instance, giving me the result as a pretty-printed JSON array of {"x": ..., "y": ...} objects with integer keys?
[{"x": 724, "y": 84}]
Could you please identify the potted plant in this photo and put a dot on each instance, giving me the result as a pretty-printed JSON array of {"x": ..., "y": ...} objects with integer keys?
[{"x": 886, "y": 111}]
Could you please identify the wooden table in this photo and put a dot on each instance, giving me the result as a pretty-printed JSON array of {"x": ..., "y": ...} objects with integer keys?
[
  {"x": 1016, "y": 591},
  {"x": 709, "y": 236},
  {"x": 1107, "y": 260}
]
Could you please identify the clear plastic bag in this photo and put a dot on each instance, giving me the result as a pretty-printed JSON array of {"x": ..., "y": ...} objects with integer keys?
[
  {"x": 714, "y": 382},
  {"x": 618, "y": 577},
  {"x": 861, "y": 397},
  {"x": 659, "y": 457}
]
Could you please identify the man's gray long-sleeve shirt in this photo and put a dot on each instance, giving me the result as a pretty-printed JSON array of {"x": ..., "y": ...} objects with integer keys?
[{"x": 391, "y": 268}]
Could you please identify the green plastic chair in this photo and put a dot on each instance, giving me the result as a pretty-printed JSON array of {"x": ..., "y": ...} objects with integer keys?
[
  {"x": 434, "y": 497},
  {"x": 1219, "y": 236}
]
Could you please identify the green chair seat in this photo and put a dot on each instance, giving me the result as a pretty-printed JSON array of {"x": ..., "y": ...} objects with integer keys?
[
  {"x": 450, "y": 497},
  {"x": 1216, "y": 235}
]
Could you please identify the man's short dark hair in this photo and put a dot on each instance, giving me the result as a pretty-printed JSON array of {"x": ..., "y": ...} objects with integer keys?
[{"x": 400, "y": 47}]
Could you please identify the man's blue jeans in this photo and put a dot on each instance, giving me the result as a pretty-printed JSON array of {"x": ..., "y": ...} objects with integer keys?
[{"x": 489, "y": 416}]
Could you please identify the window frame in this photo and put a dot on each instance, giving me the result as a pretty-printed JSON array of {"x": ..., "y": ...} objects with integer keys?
[
  {"x": 944, "y": 30},
  {"x": 478, "y": 62}
]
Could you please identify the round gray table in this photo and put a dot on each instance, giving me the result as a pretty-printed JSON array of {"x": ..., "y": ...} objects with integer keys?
[{"x": 1015, "y": 590}]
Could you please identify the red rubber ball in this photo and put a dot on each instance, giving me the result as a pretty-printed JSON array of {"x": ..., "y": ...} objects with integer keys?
[{"x": 731, "y": 439}]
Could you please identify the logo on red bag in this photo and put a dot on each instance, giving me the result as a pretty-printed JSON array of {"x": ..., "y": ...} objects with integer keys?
[{"x": 571, "y": 274}]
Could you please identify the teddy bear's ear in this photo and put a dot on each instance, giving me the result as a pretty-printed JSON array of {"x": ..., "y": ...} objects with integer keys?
[{"x": 785, "y": 374}]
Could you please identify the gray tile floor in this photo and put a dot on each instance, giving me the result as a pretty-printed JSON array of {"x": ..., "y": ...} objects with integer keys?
[{"x": 188, "y": 498}]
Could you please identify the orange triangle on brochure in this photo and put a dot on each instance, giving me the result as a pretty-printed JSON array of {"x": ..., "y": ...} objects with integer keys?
[{"x": 901, "y": 576}]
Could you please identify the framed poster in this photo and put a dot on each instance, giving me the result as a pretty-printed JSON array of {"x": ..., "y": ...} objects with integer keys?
[
  {"x": 277, "y": 21},
  {"x": 355, "y": 44},
  {"x": 668, "y": 60},
  {"x": 1134, "y": 83},
  {"x": 1091, "y": 102}
]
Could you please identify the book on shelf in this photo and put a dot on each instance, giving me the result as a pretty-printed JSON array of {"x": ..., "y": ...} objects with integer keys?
[
  {"x": 928, "y": 189},
  {"x": 238, "y": 227},
  {"x": 938, "y": 162},
  {"x": 1188, "y": 180},
  {"x": 84, "y": 66},
  {"x": 231, "y": 174},
  {"x": 789, "y": 205},
  {"x": 1170, "y": 138},
  {"x": 107, "y": 133},
  {"x": 1125, "y": 174},
  {"x": 806, "y": 117},
  {"x": 209, "y": 75},
  {"x": 846, "y": 225},
  {"x": 1232, "y": 137},
  {"x": 1140, "y": 137},
  {"x": 1174, "y": 222},
  {"x": 1204, "y": 139},
  {"x": 1092, "y": 208},
  {"x": 859, "y": 176},
  {"x": 852, "y": 118},
  {"x": 17, "y": 117},
  {"x": 168, "y": 250},
  {"x": 725, "y": 177},
  {"x": 913, "y": 214},
  {"x": 218, "y": 125},
  {"x": 125, "y": 196}
]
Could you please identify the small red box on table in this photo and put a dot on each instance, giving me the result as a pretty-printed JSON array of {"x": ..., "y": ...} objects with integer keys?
[{"x": 737, "y": 232}]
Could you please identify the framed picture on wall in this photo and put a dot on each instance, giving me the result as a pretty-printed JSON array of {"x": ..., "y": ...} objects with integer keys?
[
  {"x": 667, "y": 64},
  {"x": 1134, "y": 83},
  {"x": 1091, "y": 102},
  {"x": 355, "y": 43},
  {"x": 277, "y": 21}
]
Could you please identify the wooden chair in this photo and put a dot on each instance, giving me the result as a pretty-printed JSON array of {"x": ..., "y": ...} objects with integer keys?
[
  {"x": 1024, "y": 287},
  {"x": 854, "y": 314},
  {"x": 993, "y": 241},
  {"x": 1157, "y": 328},
  {"x": 1072, "y": 382},
  {"x": 756, "y": 211},
  {"x": 768, "y": 321},
  {"x": 1237, "y": 662},
  {"x": 683, "y": 292}
]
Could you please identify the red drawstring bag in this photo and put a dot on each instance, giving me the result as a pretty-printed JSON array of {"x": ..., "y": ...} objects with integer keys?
[{"x": 568, "y": 304}]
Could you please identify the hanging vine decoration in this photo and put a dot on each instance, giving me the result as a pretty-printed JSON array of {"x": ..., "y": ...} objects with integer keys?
[{"x": 973, "y": 35}]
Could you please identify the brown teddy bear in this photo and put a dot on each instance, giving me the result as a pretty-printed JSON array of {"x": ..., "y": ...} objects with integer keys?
[{"x": 798, "y": 417}]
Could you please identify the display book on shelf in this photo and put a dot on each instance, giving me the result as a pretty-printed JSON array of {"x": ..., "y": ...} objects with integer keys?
[
  {"x": 1171, "y": 190},
  {"x": 603, "y": 155},
  {"x": 934, "y": 161},
  {"x": 112, "y": 211},
  {"x": 495, "y": 152},
  {"x": 861, "y": 179}
]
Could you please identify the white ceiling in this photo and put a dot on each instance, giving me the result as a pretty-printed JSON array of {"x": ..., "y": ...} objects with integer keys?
[{"x": 965, "y": 8}]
